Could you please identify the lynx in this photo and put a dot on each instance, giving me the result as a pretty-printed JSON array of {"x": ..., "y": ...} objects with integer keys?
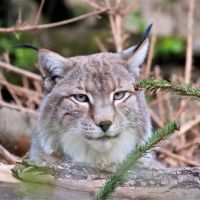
[{"x": 91, "y": 112}]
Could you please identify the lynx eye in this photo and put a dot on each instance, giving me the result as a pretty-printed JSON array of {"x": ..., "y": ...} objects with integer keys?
[
  {"x": 81, "y": 97},
  {"x": 119, "y": 95}
]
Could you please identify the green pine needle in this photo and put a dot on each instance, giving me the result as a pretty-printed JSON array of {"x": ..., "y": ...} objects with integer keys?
[
  {"x": 120, "y": 175},
  {"x": 163, "y": 85}
]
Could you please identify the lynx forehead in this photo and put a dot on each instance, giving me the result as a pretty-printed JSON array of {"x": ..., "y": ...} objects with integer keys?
[
  {"x": 99, "y": 74},
  {"x": 90, "y": 112}
]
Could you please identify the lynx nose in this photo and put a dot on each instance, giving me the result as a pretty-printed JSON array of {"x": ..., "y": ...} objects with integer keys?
[{"x": 104, "y": 125}]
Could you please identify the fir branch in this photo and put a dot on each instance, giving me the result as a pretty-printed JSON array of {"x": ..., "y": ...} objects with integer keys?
[
  {"x": 165, "y": 86},
  {"x": 120, "y": 175}
]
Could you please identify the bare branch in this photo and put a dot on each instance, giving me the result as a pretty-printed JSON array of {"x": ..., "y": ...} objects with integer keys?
[
  {"x": 156, "y": 118},
  {"x": 159, "y": 96},
  {"x": 189, "y": 144},
  {"x": 5, "y": 154},
  {"x": 151, "y": 53},
  {"x": 92, "y": 4},
  {"x": 188, "y": 64},
  {"x": 52, "y": 25},
  {"x": 39, "y": 12},
  {"x": 21, "y": 90},
  {"x": 115, "y": 20},
  {"x": 100, "y": 44},
  {"x": 20, "y": 108},
  {"x": 22, "y": 72},
  {"x": 131, "y": 7},
  {"x": 177, "y": 157},
  {"x": 187, "y": 126}
]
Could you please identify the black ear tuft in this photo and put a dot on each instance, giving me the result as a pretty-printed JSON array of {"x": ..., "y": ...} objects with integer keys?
[
  {"x": 144, "y": 37},
  {"x": 28, "y": 46},
  {"x": 147, "y": 32}
]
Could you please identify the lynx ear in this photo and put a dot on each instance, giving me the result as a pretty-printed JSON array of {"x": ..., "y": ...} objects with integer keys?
[
  {"x": 136, "y": 55},
  {"x": 52, "y": 66}
]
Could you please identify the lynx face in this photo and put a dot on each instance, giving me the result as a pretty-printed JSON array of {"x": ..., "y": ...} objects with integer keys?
[{"x": 91, "y": 112}]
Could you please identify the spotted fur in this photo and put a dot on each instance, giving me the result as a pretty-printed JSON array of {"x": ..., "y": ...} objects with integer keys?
[{"x": 69, "y": 129}]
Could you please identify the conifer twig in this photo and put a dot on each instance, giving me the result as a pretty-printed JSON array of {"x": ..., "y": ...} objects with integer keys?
[
  {"x": 165, "y": 86},
  {"x": 119, "y": 176}
]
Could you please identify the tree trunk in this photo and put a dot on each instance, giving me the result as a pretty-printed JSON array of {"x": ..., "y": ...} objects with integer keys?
[{"x": 78, "y": 182}]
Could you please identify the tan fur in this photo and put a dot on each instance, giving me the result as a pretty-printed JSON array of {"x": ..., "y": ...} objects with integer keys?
[{"x": 69, "y": 129}]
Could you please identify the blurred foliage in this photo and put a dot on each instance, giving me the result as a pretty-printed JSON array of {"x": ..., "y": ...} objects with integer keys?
[
  {"x": 79, "y": 9},
  {"x": 1, "y": 23},
  {"x": 79, "y": 39},
  {"x": 135, "y": 19},
  {"x": 25, "y": 58},
  {"x": 150, "y": 98},
  {"x": 168, "y": 1},
  {"x": 169, "y": 45},
  {"x": 84, "y": 44},
  {"x": 22, "y": 58}
]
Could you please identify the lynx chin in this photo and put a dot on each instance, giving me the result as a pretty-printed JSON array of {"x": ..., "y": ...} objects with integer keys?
[{"x": 91, "y": 112}]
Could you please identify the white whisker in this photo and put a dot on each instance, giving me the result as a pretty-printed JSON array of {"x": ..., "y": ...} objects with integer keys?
[{"x": 69, "y": 131}]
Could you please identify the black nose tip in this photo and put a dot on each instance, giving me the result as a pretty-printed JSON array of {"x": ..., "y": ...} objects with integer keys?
[{"x": 104, "y": 125}]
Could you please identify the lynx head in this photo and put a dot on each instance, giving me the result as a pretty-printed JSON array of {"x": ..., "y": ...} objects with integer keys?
[{"x": 91, "y": 108}]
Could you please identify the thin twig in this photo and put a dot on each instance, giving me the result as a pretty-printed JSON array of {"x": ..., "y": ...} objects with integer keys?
[
  {"x": 188, "y": 64},
  {"x": 151, "y": 53},
  {"x": 25, "y": 82},
  {"x": 159, "y": 96},
  {"x": 119, "y": 33},
  {"x": 100, "y": 44},
  {"x": 181, "y": 108},
  {"x": 131, "y": 7},
  {"x": 169, "y": 107},
  {"x": 39, "y": 12},
  {"x": 118, "y": 23},
  {"x": 156, "y": 118},
  {"x": 19, "y": 108},
  {"x": 52, "y": 25},
  {"x": 21, "y": 90},
  {"x": 189, "y": 55},
  {"x": 11, "y": 91},
  {"x": 37, "y": 86},
  {"x": 5, "y": 154},
  {"x": 155, "y": 101},
  {"x": 115, "y": 19},
  {"x": 186, "y": 127},
  {"x": 179, "y": 158},
  {"x": 112, "y": 23},
  {"x": 22, "y": 72},
  {"x": 92, "y": 4},
  {"x": 188, "y": 145}
]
